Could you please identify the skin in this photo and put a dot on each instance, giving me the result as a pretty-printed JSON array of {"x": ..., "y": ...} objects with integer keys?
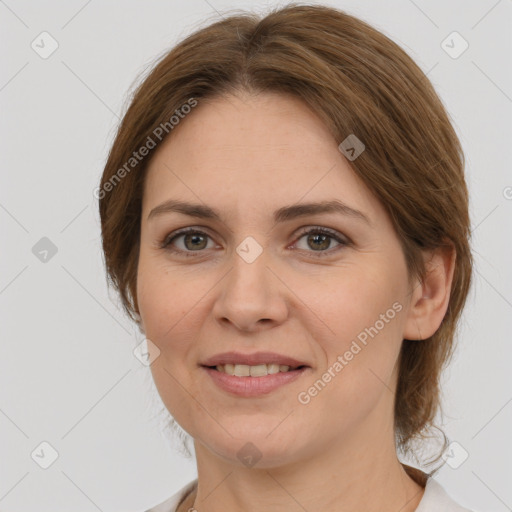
[{"x": 246, "y": 156}]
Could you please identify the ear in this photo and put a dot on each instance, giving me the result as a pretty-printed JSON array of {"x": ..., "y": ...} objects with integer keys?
[{"x": 430, "y": 296}]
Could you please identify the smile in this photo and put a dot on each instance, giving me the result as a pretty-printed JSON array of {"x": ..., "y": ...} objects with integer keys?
[{"x": 250, "y": 381}]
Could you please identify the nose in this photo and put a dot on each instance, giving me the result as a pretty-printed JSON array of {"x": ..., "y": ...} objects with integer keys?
[{"x": 251, "y": 296}]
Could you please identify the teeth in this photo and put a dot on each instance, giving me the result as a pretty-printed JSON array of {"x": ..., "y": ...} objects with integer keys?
[{"x": 260, "y": 370}]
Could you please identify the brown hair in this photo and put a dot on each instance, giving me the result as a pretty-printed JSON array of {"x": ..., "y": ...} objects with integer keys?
[{"x": 359, "y": 82}]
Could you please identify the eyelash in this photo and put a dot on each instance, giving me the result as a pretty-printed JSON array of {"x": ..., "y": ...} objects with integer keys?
[{"x": 167, "y": 241}]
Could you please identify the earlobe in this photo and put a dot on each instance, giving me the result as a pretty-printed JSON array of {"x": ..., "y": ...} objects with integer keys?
[{"x": 430, "y": 296}]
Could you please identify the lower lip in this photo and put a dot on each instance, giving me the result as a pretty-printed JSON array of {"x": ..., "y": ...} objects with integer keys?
[{"x": 253, "y": 386}]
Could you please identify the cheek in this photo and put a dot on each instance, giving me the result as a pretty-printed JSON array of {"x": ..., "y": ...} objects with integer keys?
[
  {"x": 163, "y": 300},
  {"x": 356, "y": 297},
  {"x": 166, "y": 307},
  {"x": 364, "y": 312},
  {"x": 173, "y": 305},
  {"x": 360, "y": 356}
]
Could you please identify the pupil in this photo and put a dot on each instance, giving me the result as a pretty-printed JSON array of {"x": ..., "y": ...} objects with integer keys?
[
  {"x": 325, "y": 243},
  {"x": 194, "y": 239}
]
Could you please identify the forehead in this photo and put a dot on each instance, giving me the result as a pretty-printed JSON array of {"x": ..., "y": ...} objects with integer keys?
[{"x": 253, "y": 152}]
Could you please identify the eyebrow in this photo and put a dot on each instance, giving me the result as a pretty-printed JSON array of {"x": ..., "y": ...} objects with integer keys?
[{"x": 283, "y": 214}]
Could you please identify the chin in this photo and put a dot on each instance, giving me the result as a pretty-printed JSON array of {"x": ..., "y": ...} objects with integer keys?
[{"x": 260, "y": 446}]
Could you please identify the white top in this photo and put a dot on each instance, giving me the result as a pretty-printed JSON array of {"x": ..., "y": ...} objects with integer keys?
[{"x": 435, "y": 499}]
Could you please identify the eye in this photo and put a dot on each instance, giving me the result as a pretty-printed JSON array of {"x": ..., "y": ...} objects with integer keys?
[
  {"x": 320, "y": 240},
  {"x": 191, "y": 240}
]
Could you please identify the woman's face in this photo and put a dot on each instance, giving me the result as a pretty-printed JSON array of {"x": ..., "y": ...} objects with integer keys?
[{"x": 326, "y": 288}]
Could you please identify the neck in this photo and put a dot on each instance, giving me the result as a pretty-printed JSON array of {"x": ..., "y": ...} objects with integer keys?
[{"x": 368, "y": 478}]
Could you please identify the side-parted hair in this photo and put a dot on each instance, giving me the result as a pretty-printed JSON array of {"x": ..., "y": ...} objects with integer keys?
[{"x": 358, "y": 82}]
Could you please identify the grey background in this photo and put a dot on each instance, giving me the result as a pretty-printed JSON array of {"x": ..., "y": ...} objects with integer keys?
[{"x": 67, "y": 372}]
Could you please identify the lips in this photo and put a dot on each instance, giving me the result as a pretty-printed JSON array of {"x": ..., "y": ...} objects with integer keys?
[
  {"x": 257, "y": 358},
  {"x": 253, "y": 386}
]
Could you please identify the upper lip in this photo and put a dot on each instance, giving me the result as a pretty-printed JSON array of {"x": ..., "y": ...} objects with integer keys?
[{"x": 252, "y": 359}]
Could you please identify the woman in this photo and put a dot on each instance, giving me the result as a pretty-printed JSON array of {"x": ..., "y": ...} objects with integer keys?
[{"x": 285, "y": 215}]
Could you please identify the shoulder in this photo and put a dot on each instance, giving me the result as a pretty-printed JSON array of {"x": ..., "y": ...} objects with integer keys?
[
  {"x": 436, "y": 499},
  {"x": 170, "y": 504}
]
